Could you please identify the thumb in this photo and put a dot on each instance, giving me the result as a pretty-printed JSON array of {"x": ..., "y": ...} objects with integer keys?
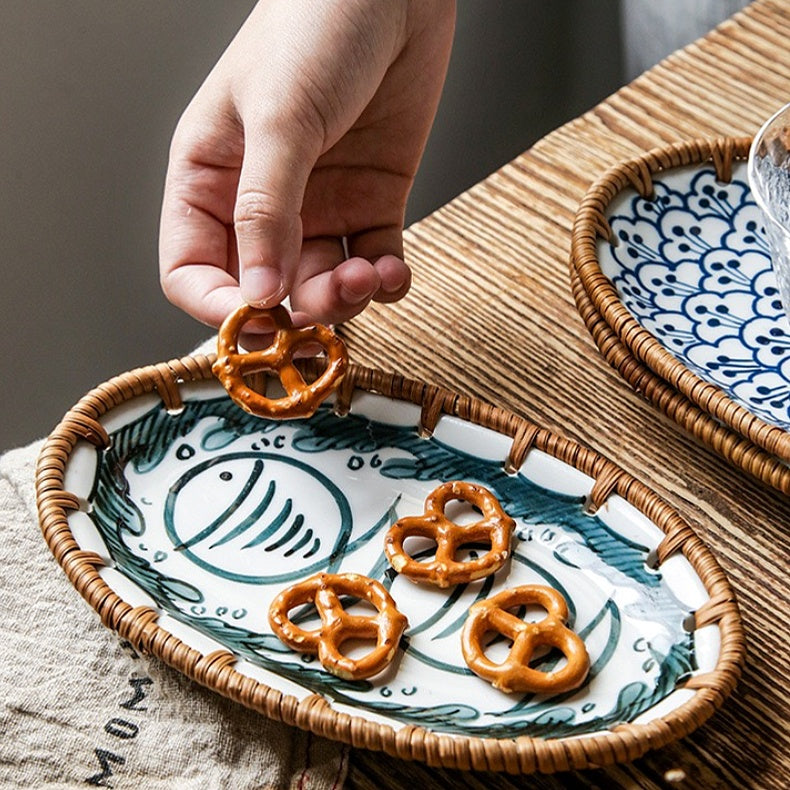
[{"x": 266, "y": 217}]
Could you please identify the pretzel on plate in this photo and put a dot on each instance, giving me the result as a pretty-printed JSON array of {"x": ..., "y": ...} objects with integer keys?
[
  {"x": 301, "y": 399},
  {"x": 496, "y": 528},
  {"x": 337, "y": 625},
  {"x": 515, "y": 673}
]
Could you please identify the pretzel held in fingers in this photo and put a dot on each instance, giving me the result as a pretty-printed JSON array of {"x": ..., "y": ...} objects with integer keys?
[
  {"x": 515, "y": 673},
  {"x": 496, "y": 528},
  {"x": 301, "y": 399},
  {"x": 337, "y": 625}
]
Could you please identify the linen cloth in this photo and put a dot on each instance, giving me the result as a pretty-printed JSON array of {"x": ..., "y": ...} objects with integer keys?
[{"x": 81, "y": 707}]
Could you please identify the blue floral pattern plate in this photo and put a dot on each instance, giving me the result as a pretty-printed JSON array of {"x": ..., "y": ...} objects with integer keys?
[
  {"x": 692, "y": 266},
  {"x": 205, "y": 515}
]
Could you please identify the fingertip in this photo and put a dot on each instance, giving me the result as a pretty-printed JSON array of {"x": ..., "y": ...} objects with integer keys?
[
  {"x": 395, "y": 278},
  {"x": 339, "y": 294},
  {"x": 356, "y": 281},
  {"x": 262, "y": 286},
  {"x": 204, "y": 291}
]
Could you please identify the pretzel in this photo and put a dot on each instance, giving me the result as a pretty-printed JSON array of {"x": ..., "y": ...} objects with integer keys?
[
  {"x": 337, "y": 626},
  {"x": 514, "y": 673},
  {"x": 302, "y": 399},
  {"x": 496, "y": 528}
]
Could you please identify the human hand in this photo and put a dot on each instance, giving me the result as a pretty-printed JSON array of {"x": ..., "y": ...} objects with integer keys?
[{"x": 290, "y": 169}]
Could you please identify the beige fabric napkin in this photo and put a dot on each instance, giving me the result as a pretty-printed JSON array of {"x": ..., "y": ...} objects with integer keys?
[{"x": 79, "y": 707}]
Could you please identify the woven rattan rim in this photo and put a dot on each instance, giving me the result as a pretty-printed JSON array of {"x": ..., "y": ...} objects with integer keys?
[
  {"x": 519, "y": 755},
  {"x": 591, "y": 223},
  {"x": 733, "y": 447}
]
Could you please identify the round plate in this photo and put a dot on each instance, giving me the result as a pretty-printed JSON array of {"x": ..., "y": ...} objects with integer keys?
[
  {"x": 684, "y": 278},
  {"x": 736, "y": 449},
  {"x": 180, "y": 517}
]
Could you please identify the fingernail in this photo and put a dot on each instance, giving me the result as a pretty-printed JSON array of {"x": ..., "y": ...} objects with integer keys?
[
  {"x": 354, "y": 297},
  {"x": 261, "y": 285}
]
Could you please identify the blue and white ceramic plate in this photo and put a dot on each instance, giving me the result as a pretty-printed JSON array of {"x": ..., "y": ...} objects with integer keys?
[
  {"x": 207, "y": 514},
  {"x": 692, "y": 266}
]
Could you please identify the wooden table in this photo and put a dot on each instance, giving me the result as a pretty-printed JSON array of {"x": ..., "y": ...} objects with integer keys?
[{"x": 491, "y": 315}]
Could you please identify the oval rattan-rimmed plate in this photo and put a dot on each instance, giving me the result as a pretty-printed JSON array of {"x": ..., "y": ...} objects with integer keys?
[
  {"x": 671, "y": 250},
  {"x": 179, "y": 517}
]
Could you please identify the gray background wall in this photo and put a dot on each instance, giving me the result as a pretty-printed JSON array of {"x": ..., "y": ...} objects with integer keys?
[{"x": 90, "y": 91}]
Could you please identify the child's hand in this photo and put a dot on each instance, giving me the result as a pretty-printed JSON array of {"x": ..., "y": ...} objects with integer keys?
[{"x": 306, "y": 135}]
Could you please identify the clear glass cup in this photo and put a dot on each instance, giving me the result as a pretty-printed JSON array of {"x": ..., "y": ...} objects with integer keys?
[{"x": 769, "y": 179}]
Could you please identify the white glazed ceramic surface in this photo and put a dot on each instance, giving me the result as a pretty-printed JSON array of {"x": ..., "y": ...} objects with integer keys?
[
  {"x": 693, "y": 267},
  {"x": 207, "y": 514}
]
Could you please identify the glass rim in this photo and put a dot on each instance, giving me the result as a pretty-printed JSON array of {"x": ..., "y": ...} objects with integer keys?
[{"x": 751, "y": 167}]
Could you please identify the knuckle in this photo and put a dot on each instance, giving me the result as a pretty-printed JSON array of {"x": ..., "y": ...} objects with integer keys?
[
  {"x": 206, "y": 135},
  {"x": 185, "y": 138},
  {"x": 255, "y": 208}
]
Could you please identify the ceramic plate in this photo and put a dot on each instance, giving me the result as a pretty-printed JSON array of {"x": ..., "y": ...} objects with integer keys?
[
  {"x": 204, "y": 515},
  {"x": 692, "y": 267},
  {"x": 738, "y": 450}
]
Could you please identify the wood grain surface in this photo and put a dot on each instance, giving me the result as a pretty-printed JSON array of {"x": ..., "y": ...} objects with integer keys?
[{"x": 491, "y": 315}]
